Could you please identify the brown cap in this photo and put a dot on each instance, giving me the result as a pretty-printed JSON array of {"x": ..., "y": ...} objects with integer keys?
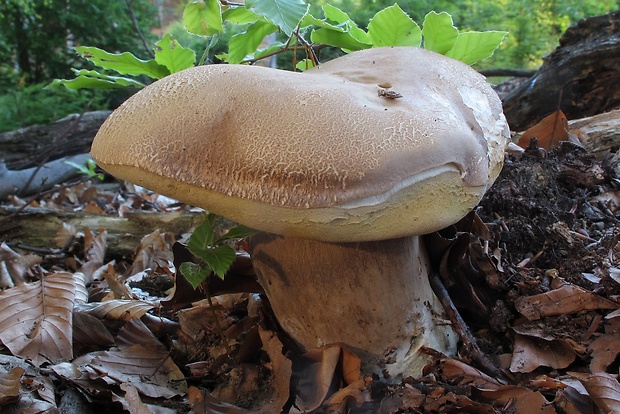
[{"x": 331, "y": 154}]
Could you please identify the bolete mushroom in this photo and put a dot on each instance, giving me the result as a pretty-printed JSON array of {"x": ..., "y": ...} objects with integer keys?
[{"x": 344, "y": 165}]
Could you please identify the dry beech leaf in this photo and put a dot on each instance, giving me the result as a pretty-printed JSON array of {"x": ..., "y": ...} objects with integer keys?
[
  {"x": 35, "y": 319},
  {"x": 604, "y": 390},
  {"x": 10, "y": 385},
  {"x": 133, "y": 401},
  {"x": 89, "y": 331},
  {"x": 154, "y": 250},
  {"x": 202, "y": 402},
  {"x": 353, "y": 395},
  {"x": 316, "y": 377},
  {"x": 123, "y": 310},
  {"x": 530, "y": 353},
  {"x": 135, "y": 332},
  {"x": 605, "y": 349},
  {"x": 282, "y": 369},
  {"x": 95, "y": 245},
  {"x": 65, "y": 235},
  {"x": 549, "y": 132},
  {"x": 152, "y": 372},
  {"x": 562, "y": 301},
  {"x": 462, "y": 403},
  {"x": 14, "y": 266},
  {"x": 457, "y": 371},
  {"x": 405, "y": 399},
  {"x": 518, "y": 400}
]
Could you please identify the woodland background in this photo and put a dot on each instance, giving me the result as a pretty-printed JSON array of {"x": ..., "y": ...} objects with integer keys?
[{"x": 37, "y": 39}]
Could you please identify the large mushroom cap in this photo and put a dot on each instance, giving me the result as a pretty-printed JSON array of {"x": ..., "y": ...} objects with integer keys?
[{"x": 319, "y": 154}]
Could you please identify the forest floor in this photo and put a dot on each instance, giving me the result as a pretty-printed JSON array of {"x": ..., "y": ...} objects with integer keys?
[{"x": 535, "y": 274}]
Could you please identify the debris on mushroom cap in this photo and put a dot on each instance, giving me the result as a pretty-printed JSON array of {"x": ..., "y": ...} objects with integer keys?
[{"x": 317, "y": 154}]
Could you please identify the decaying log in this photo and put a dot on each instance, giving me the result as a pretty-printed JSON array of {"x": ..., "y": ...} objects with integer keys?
[
  {"x": 28, "y": 147},
  {"x": 599, "y": 132},
  {"x": 581, "y": 77},
  {"x": 32, "y": 180},
  {"x": 37, "y": 227}
]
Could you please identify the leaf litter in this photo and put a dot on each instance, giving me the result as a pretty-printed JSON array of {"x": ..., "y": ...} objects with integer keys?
[{"x": 540, "y": 256}]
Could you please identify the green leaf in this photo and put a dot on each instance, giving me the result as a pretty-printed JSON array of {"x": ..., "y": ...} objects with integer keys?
[
  {"x": 304, "y": 65},
  {"x": 203, "y": 17},
  {"x": 269, "y": 50},
  {"x": 238, "y": 232},
  {"x": 240, "y": 15},
  {"x": 286, "y": 14},
  {"x": 172, "y": 55},
  {"x": 338, "y": 39},
  {"x": 393, "y": 27},
  {"x": 310, "y": 20},
  {"x": 471, "y": 47},
  {"x": 90, "y": 79},
  {"x": 219, "y": 259},
  {"x": 439, "y": 32},
  {"x": 194, "y": 274},
  {"x": 246, "y": 43},
  {"x": 123, "y": 63},
  {"x": 336, "y": 15},
  {"x": 202, "y": 238}
]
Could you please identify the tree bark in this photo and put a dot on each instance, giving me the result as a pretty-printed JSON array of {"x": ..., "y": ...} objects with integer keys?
[
  {"x": 581, "y": 77},
  {"x": 29, "y": 147},
  {"x": 37, "y": 227}
]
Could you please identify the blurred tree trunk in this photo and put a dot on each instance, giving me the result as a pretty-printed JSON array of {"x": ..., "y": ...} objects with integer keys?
[{"x": 581, "y": 77}]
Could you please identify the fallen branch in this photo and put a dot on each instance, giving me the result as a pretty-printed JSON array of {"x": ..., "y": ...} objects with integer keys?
[
  {"x": 37, "y": 227},
  {"x": 35, "y": 179}
]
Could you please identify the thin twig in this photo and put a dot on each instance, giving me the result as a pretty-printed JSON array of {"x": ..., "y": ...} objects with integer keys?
[
  {"x": 220, "y": 331},
  {"x": 484, "y": 362},
  {"x": 132, "y": 15}
]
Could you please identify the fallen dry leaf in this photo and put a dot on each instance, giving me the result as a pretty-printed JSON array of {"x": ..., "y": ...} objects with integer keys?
[
  {"x": 123, "y": 310},
  {"x": 530, "y": 353},
  {"x": 317, "y": 377},
  {"x": 10, "y": 385},
  {"x": 518, "y": 400},
  {"x": 134, "y": 403},
  {"x": 14, "y": 267},
  {"x": 202, "y": 402},
  {"x": 549, "y": 132},
  {"x": 353, "y": 395},
  {"x": 564, "y": 300},
  {"x": 463, "y": 374},
  {"x": 35, "y": 319},
  {"x": 282, "y": 369},
  {"x": 605, "y": 349},
  {"x": 604, "y": 390}
]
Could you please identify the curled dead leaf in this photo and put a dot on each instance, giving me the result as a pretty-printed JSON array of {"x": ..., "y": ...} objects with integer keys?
[{"x": 564, "y": 300}]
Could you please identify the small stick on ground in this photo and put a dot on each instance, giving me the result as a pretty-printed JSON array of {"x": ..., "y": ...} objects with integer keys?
[{"x": 459, "y": 325}]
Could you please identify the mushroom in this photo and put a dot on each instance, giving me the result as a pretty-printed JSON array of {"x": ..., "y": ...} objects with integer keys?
[{"x": 342, "y": 178}]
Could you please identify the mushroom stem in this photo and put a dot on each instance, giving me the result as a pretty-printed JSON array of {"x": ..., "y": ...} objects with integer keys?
[{"x": 373, "y": 297}]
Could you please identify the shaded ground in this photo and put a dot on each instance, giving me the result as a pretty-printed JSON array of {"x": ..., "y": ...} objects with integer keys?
[{"x": 538, "y": 286}]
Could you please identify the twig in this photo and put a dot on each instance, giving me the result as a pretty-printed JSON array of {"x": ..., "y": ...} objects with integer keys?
[
  {"x": 44, "y": 251},
  {"x": 132, "y": 15},
  {"x": 459, "y": 325},
  {"x": 220, "y": 331}
]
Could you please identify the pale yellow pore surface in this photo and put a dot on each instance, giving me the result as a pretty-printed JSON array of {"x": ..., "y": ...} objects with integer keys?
[{"x": 320, "y": 154}]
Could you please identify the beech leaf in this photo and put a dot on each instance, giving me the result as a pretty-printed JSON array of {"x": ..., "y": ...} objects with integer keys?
[
  {"x": 549, "y": 132},
  {"x": 36, "y": 319}
]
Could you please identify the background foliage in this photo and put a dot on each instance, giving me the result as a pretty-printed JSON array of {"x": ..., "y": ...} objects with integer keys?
[{"x": 37, "y": 39}]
